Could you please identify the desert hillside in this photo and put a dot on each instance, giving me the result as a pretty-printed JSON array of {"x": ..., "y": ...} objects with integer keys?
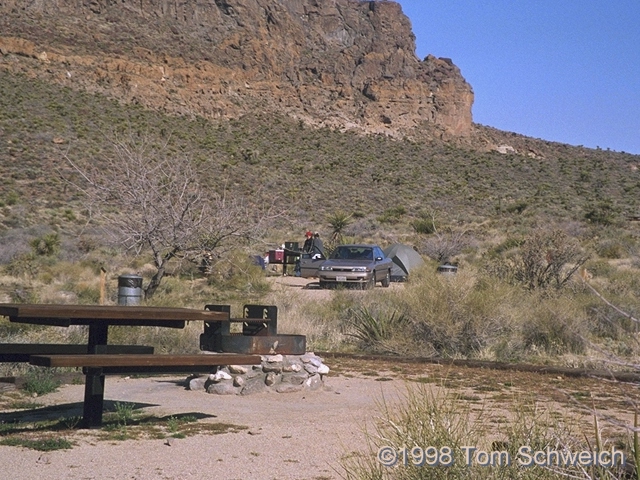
[{"x": 347, "y": 64}]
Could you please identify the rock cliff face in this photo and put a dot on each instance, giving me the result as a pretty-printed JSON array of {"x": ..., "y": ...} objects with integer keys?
[{"x": 340, "y": 63}]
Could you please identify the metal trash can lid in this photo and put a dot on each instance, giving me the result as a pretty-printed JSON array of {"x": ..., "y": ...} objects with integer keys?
[{"x": 130, "y": 281}]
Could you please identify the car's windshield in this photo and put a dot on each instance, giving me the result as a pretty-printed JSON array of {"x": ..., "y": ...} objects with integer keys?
[{"x": 353, "y": 253}]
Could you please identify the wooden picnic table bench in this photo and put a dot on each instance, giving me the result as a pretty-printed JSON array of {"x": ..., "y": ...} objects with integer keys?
[
  {"x": 21, "y": 352},
  {"x": 145, "y": 363},
  {"x": 98, "y": 359}
]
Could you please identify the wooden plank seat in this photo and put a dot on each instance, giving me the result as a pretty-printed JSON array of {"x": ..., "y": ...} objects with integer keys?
[
  {"x": 96, "y": 366},
  {"x": 20, "y": 352},
  {"x": 144, "y": 363}
]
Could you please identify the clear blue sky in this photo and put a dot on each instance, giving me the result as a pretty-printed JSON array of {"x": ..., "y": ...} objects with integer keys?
[{"x": 560, "y": 70}]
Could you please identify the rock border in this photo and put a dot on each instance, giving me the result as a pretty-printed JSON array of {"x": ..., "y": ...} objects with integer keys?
[{"x": 276, "y": 373}]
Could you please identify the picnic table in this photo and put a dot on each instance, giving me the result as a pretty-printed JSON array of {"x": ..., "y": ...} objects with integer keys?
[{"x": 99, "y": 358}]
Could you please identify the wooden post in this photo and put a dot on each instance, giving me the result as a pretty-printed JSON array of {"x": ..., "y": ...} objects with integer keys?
[{"x": 103, "y": 285}]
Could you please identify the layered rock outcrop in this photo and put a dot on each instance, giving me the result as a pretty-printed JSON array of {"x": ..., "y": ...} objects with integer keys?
[{"x": 341, "y": 63}]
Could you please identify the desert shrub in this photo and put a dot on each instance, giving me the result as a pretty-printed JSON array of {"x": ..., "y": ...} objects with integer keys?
[
  {"x": 604, "y": 213},
  {"x": 621, "y": 288},
  {"x": 610, "y": 249},
  {"x": 457, "y": 316},
  {"x": 238, "y": 272},
  {"x": 22, "y": 265},
  {"x": 517, "y": 207},
  {"x": 424, "y": 225},
  {"x": 14, "y": 242},
  {"x": 88, "y": 294},
  {"x": 164, "y": 340},
  {"x": 556, "y": 325},
  {"x": 425, "y": 417},
  {"x": 11, "y": 197},
  {"x": 509, "y": 244},
  {"x": 545, "y": 259},
  {"x": 338, "y": 221},
  {"x": 599, "y": 268},
  {"x": 617, "y": 246},
  {"x": 392, "y": 215},
  {"x": 606, "y": 323}
]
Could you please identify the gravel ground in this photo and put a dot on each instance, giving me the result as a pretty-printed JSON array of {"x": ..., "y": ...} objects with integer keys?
[{"x": 298, "y": 436}]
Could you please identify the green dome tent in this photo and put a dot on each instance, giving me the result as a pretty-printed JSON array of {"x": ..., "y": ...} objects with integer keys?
[{"x": 404, "y": 258}]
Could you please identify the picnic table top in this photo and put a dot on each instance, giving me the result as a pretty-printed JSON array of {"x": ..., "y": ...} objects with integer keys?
[{"x": 65, "y": 315}]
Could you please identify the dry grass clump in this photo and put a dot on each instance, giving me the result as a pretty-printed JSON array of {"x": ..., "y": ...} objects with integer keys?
[
  {"x": 319, "y": 320},
  {"x": 477, "y": 315},
  {"x": 459, "y": 315},
  {"x": 434, "y": 433}
]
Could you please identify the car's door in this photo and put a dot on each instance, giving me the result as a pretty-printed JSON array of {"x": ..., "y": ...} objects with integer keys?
[
  {"x": 379, "y": 268},
  {"x": 309, "y": 265}
]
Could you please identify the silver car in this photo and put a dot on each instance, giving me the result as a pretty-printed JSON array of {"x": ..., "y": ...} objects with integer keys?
[{"x": 361, "y": 265}]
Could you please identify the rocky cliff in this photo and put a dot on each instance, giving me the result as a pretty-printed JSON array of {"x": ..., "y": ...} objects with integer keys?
[{"x": 341, "y": 63}]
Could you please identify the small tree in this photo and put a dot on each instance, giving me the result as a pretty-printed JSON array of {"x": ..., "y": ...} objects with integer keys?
[{"x": 152, "y": 200}]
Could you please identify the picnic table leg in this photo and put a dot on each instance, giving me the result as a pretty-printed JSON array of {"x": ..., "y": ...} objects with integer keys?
[
  {"x": 94, "y": 379},
  {"x": 93, "y": 398}
]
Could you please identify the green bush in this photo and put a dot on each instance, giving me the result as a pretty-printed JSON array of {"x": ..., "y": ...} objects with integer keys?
[
  {"x": 25, "y": 264},
  {"x": 517, "y": 207},
  {"x": 393, "y": 215},
  {"x": 424, "y": 226},
  {"x": 615, "y": 248},
  {"x": 237, "y": 272},
  {"x": 545, "y": 259},
  {"x": 603, "y": 213},
  {"x": 47, "y": 245},
  {"x": 40, "y": 381}
]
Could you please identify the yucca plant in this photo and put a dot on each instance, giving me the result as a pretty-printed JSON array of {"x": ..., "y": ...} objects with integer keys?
[
  {"x": 338, "y": 221},
  {"x": 375, "y": 330}
]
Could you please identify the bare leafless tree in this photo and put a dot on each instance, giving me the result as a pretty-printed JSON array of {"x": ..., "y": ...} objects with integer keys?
[
  {"x": 442, "y": 247},
  {"x": 151, "y": 199},
  {"x": 544, "y": 259},
  {"x": 548, "y": 258}
]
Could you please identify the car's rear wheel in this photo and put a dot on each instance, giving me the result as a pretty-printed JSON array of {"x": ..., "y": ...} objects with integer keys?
[{"x": 386, "y": 281}]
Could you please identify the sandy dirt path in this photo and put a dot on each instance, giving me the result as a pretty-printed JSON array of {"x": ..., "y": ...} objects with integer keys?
[{"x": 298, "y": 436}]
